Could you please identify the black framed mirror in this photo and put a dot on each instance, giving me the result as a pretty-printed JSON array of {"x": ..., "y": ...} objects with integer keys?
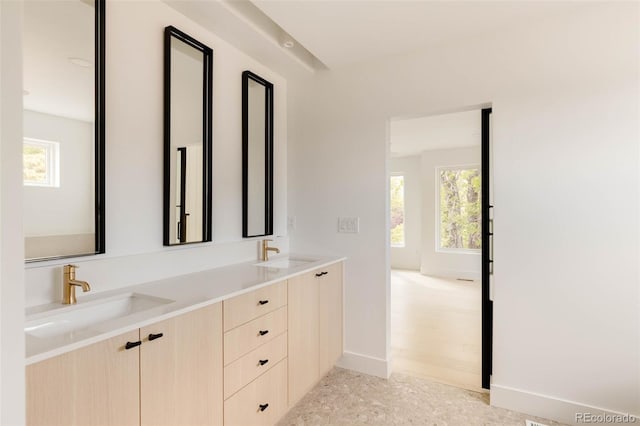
[
  {"x": 64, "y": 128},
  {"x": 257, "y": 156},
  {"x": 188, "y": 68}
]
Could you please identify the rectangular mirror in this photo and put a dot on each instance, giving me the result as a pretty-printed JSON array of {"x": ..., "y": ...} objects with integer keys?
[
  {"x": 188, "y": 66},
  {"x": 63, "y": 145},
  {"x": 257, "y": 156}
]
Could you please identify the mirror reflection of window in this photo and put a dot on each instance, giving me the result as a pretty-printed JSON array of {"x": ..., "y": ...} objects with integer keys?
[{"x": 41, "y": 163}]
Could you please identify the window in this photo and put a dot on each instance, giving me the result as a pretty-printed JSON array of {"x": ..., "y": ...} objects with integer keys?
[
  {"x": 40, "y": 163},
  {"x": 397, "y": 211},
  {"x": 459, "y": 226}
]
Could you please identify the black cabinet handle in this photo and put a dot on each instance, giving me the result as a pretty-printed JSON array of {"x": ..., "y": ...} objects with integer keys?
[
  {"x": 263, "y": 361},
  {"x": 263, "y": 332},
  {"x": 263, "y": 302},
  {"x": 325, "y": 273},
  {"x": 155, "y": 336},
  {"x": 319, "y": 274},
  {"x": 263, "y": 406},
  {"x": 131, "y": 345}
]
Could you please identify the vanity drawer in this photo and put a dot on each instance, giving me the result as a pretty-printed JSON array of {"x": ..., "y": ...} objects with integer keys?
[
  {"x": 249, "y": 336},
  {"x": 261, "y": 402},
  {"x": 258, "y": 361},
  {"x": 244, "y": 308}
]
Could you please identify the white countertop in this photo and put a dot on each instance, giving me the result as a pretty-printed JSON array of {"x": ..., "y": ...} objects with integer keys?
[{"x": 187, "y": 293}]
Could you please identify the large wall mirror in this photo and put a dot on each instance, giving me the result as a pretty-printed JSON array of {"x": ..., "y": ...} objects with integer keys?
[
  {"x": 257, "y": 156},
  {"x": 188, "y": 66},
  {"x": 63, "y": 145}
]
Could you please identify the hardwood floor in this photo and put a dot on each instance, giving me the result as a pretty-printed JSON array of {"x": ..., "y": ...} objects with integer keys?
[{"x": 436, "y": 328}]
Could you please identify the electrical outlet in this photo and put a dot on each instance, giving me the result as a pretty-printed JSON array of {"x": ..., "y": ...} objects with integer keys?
[
  {"x": 291, "y": 222},
  {"x": 349, "y": 225}
]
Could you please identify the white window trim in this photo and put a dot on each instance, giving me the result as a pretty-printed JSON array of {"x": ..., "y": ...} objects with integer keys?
[
  {"x": 404, "y": 210},
  {"x": 53, "y": 162},
  {"x": 438, "y": 248}
]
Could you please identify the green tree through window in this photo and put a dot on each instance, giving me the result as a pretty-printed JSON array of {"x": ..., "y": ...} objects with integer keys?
[
  {"x": 397, "y": 210},
  {"x": 460, "y": 209}
]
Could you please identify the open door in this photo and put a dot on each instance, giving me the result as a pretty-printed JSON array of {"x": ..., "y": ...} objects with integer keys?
[{"x": 487, "y": 250}]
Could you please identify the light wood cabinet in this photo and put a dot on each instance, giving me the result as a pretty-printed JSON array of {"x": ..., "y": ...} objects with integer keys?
[
  {"x": 246, "y": 368},
  {"x": 260, "y": 403},
  {"x": 95, "y": 385},
  {"x": 244, "y": 308},
  {"x": 243, "y": 361},
  {"x": 173, "y": 377},
  {"x": 315, "y": 327},
  {"x": 330, "y": 313},
  {"x": 249, "y": 336},
  {"x": 255, "y": 357},
  {"x": 304, "y": 342},
  {"x": 181, "y": 369}
]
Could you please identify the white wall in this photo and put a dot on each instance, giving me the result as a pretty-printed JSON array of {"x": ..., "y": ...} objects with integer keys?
[
  {"x": 408, "y": 257},
  {"x": 67, "y": 209},
  {"x": 437, "y": 262},
  {"x": 134, "y": 153},
  {"x": 12, "y": 386},
  {"x": 565, "y": 103}
]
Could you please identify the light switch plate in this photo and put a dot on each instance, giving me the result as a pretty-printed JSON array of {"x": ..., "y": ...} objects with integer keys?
[{"x": 349, "y": 225}]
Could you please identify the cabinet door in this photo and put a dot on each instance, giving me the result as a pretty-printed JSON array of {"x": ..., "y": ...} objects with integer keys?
[
  {"x": 181, "y": 371},
  {"x": 303, "y": 335},
  {"x": 330, "y": 294},
  {"x": 95, "y": 385}
]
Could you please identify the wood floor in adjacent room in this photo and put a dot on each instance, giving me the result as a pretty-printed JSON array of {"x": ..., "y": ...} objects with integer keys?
[{"x": 436, "y": 328}]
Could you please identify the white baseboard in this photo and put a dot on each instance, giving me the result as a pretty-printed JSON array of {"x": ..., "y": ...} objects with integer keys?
[
  {"x": 548, "y": 407},
  {"x": 365, "y": 364}
]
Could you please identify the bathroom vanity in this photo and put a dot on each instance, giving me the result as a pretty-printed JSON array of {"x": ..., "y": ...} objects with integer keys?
[{"x": 237, "y": 345}]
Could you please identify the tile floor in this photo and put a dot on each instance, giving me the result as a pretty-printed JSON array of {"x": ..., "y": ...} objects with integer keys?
[{"x": 346, "y": 398}]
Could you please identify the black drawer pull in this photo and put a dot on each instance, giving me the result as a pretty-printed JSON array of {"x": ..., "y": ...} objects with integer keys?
[
  {"x": 263, "y": 406},
  {"x": 263, "y": 361},
  {"x": 319, "y": 274},
  {"x": 155, "y": 336},
  {"x": 131, "y": 345},
  {"x": 325, "y": 273},
  {"x": 263, "y": 332},
  {"x": 263, "y": 302}
]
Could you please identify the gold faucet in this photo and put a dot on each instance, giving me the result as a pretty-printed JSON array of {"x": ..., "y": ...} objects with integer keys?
[
  {"x": 266, "y": 249},
  {"x": 70, "y": 283}
]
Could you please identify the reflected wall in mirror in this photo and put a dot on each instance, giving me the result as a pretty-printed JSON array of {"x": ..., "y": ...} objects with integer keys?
[
  {"x": 257, "y": 156},
  {"x": 63, "y": 145},
  {"x": 188, "y": 66}
]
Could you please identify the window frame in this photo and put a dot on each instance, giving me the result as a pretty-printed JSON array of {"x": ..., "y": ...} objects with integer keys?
[
  {"x": 404, "y": 210},
  {"x": 438, "y": 239},
  {"x": 52, "y": 150}
]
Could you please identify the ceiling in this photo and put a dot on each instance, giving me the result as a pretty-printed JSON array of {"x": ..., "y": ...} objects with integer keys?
[
  {"x": 53, "y": 33},
  {"x": 446, "y": 131},
  {"x": 344, "y": 32}
]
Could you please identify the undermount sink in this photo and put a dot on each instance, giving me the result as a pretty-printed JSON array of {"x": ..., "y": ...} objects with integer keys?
[
  {"x": 285, "y": 263},
  {"x": 75, "y": 318}
]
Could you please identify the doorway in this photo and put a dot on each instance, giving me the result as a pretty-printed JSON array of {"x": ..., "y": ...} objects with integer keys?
[{"x": 440, "y": 235}]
